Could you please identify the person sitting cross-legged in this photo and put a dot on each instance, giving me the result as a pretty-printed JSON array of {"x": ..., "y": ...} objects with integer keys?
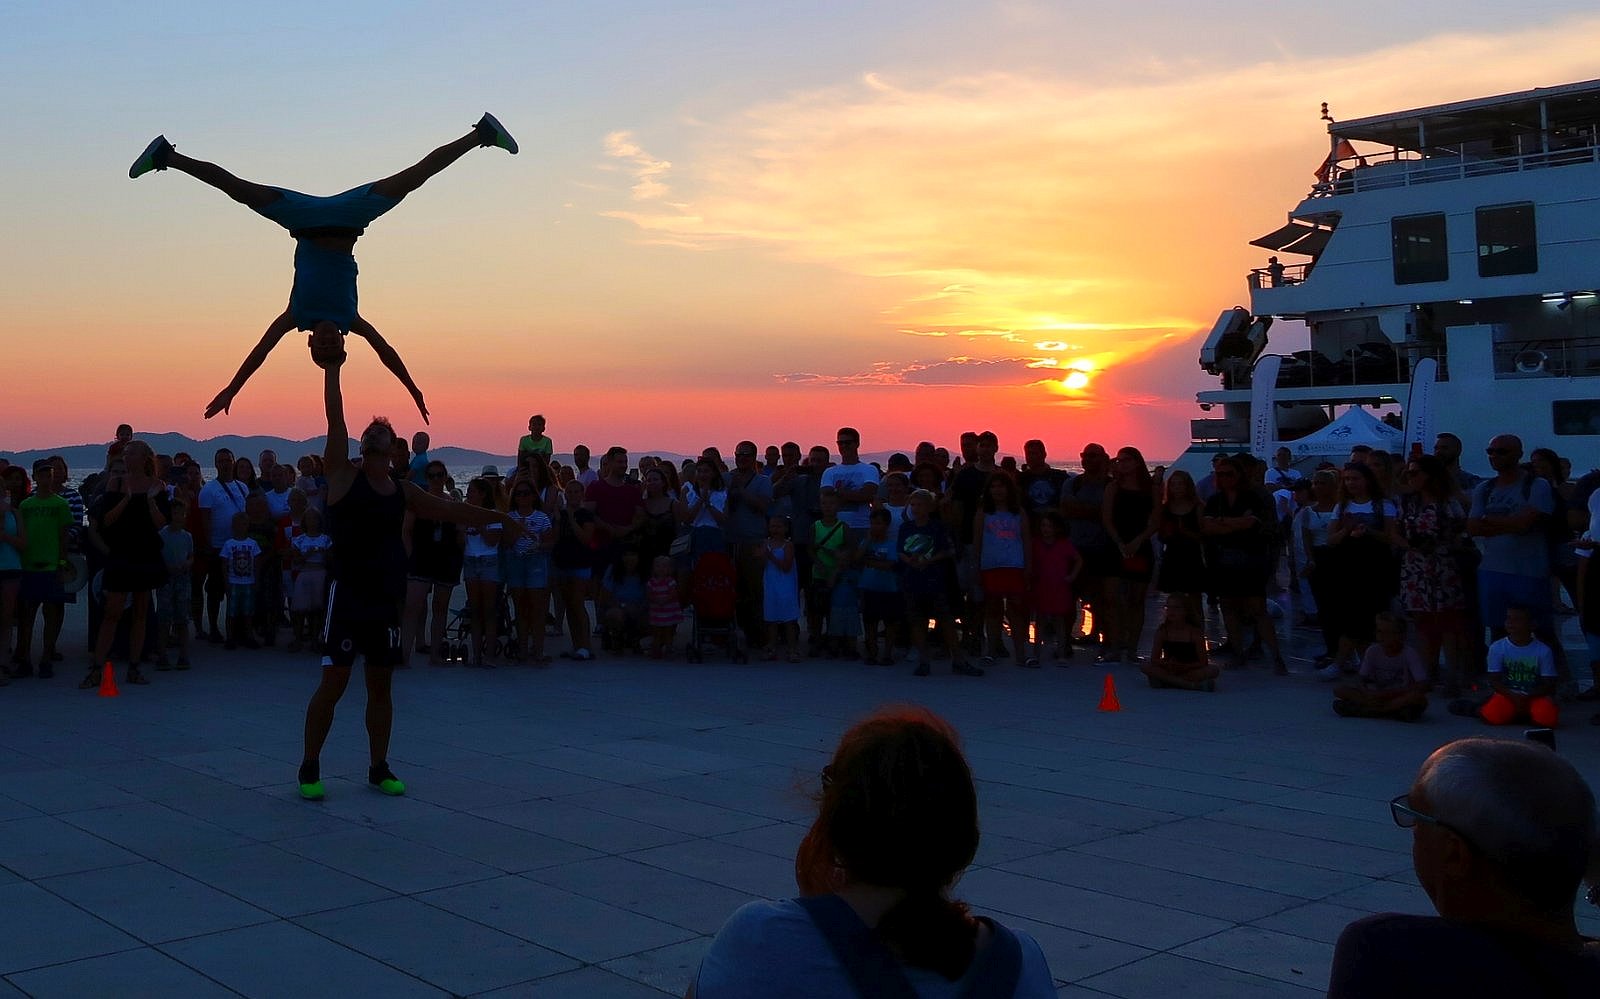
[
  {"x": 1178, "y": 655},
  {"x": 1394, "y": 682},
  {"x": 1522, "y": 672}
]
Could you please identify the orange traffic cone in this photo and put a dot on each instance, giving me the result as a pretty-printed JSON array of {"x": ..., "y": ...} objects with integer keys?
[
  {"x": 108, "y": 682},
  {"x": 1108, "y": 700}
]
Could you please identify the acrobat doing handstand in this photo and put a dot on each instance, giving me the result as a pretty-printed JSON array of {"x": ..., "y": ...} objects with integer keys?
[{"x": 323, "y": 298}]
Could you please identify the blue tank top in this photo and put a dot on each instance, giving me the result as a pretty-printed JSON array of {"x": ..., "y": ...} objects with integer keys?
[
  {"x": 324, "y": 286},
  {"x": 1002, "y": 541},
  {"x": 10, "y": 558}
]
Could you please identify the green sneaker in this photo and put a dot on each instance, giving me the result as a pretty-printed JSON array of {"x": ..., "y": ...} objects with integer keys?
[
  {"x": 495, "y": 134},
  {"x": 382, "y": 778},
  {"x": 313, "y": 791},
  {"x": 154, "y": 157}
]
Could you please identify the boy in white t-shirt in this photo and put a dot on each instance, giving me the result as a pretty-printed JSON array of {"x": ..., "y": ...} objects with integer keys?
[
  {"x": 241, "y": 558},
  {"x": 1394, "y": 683},
  {"x": 1522, "y": 671}
]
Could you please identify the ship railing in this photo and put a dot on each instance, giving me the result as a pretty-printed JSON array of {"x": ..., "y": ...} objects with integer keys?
[
  {"x": 1278, "y": 277},
  {"x": 1355, "y": 174},
  {"x": 1367, "y": 364},
  {"x": 1548, "y": 358}
]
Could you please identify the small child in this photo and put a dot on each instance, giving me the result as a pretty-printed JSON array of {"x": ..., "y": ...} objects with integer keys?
[
  {"x": 827, "y": 544},
  {"x": 263, "y": 530},
  {"x": 780, "y": 590},
  {"x": 924, "y": 545},
  {"x": 1178, "y": 657},
  {"x": 1004, "y": 557},
  {"x": 1056, "y": 565},
  {"x": 624, "y": 604},
  {"x": 1522, "y": 671},
  {"x": 666, "y": 612},
  {"x": 881, "y": 602},
  {"x": 1394, "y": 682},
  {"x": 242, "y": 556},
  {"x": 310, "y": 559},
  {"x": 172, "y": 604}
]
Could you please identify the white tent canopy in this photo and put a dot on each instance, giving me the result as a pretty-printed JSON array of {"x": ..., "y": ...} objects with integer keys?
[{"x": 1354, "y": 426}]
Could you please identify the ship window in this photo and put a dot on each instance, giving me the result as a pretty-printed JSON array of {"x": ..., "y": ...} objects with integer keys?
[
  {"x": 1576, "y": 417},
  {"x": 1420, "y": 253},
  {"x": 1506, "y": 240}
]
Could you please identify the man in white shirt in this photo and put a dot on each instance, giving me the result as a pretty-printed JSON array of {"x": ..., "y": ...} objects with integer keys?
[
  {"x": 220, "y": 499},
  {"x": 854, "y": 481}
]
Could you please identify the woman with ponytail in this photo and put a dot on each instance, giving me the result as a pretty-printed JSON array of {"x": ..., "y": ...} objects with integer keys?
[{"x": 897, "y": 824}]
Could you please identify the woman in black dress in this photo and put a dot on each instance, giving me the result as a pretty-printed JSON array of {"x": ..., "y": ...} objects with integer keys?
[
  {"x": 130, "y": 513},
  {"x": 1183, "y": 561}
]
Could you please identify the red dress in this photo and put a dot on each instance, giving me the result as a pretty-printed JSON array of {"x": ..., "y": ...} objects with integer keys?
[{"x": 1052, "y": 591}]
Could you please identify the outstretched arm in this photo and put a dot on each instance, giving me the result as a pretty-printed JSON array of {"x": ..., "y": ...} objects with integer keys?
[
  {"x": 391, "y": 360},
  {"x": 258, "y": 356},
  {"x": 424, "y": 504},
  {"x": 336, "y": 453}
]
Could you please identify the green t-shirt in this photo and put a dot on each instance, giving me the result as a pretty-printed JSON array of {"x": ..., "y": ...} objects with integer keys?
[
  {"x": 43, "y": 518},
  {"x": 530, "y": 443}
]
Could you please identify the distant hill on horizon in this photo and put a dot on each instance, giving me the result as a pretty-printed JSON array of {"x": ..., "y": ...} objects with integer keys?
[{"x": 92, "y": 456}]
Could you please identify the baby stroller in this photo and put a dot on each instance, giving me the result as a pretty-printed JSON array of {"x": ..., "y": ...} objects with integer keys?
[
  {"x": 711, "y": 594},
  {"x": 458, "y": 632}
]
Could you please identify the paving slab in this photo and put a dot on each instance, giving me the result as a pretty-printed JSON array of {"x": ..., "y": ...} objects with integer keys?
[
  {"x": 137, "y": 974},
  {"x": 584, "y": 830}
]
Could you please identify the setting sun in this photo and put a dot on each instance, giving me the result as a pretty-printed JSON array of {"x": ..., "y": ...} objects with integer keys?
[{"x": 1076, "y": 380}]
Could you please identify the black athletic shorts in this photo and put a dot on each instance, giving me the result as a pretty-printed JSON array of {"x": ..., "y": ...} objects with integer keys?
[{"x": 357, "y": 624}]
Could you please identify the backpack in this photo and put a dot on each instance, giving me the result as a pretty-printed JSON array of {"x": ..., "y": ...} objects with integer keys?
[{"x": 877, "y": 974}]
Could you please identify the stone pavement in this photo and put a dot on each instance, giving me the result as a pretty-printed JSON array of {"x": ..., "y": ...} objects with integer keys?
[{"x": 582, "y": 830}]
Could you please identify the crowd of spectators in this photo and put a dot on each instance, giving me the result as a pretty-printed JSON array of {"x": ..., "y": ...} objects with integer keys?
[{"x": 1418, "y": 575}]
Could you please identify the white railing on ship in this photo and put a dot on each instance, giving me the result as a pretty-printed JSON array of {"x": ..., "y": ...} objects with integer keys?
[
  {"x": 1354, "y": 174},
  {"x": 1577, "y": 357}
]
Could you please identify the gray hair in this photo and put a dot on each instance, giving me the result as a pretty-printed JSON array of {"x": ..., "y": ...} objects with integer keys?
[{"x": 1526, "y": 809}]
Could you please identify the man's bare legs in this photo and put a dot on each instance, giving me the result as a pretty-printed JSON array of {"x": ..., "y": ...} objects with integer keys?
[
  {"x": 247, "y": 193},
  {"x": 412, "y": 177}
]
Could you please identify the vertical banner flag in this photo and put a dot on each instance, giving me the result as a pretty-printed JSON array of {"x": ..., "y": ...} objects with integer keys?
[
  {"x": 1419, "y": 405},
  {"x": 1263, "y": 395}
]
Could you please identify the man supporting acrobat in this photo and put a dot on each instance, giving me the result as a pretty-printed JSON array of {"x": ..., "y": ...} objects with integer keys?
[
  {"x": 366, "y": 512},
  {"x": 325, "y": 230}
]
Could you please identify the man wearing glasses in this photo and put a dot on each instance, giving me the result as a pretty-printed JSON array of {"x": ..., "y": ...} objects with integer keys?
[
  {"x": 1503, "y": 834},
  {"x": 1507, "y": 515}
]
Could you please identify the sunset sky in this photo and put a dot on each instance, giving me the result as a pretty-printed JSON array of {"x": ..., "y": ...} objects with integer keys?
[{"x": 728, "y": 219}]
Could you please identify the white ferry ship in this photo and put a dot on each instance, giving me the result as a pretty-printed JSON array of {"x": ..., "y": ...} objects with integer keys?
[{"x": 1446, "y": 266}]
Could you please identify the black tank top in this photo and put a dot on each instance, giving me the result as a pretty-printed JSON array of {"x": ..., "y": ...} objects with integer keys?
[{"x": 368, "y": 555}]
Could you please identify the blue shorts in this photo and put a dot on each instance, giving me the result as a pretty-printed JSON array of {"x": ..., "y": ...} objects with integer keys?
[
  {"x": 525, "y": 572},
  {"x": 353, "y": 210},
  {"x": 481, "y": 569}
]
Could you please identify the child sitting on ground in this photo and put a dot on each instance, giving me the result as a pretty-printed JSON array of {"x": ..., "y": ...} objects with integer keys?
[
  {"x": 242, "y": 556},
  {"x": 1394, "y": 682},
  {"x": 666, "y": 611},
  {"x": 1179, "y": 658},
  {"x": 1522, "y": 671}
]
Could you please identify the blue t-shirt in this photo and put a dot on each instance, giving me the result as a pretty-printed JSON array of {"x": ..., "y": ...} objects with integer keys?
[
  {"x": 774, "y": 950},
  {"x": 418, "y": 472},
  {"x": 1525, "y": 554},
  {"x": 324, "y": 286},
  {"x": 874, "y": 580}
]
